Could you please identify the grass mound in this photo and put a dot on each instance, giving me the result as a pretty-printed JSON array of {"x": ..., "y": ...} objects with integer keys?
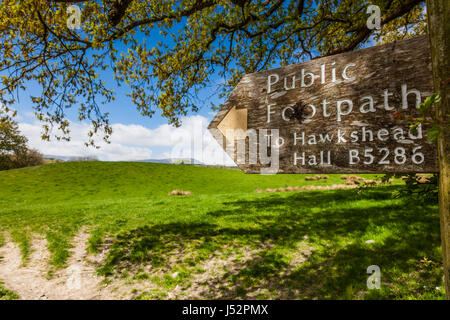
[{"x": 225, "y": 236}]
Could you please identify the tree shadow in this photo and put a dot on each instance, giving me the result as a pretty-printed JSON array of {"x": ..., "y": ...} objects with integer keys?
[
  {"x": 335, "y": 224},
  {"x": 410, "y": 232}
]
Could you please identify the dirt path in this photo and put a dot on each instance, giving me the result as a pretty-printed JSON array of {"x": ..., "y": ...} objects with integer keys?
[
  {"x": 31, "y": 282},
  {"x": 79, "y": 280}
]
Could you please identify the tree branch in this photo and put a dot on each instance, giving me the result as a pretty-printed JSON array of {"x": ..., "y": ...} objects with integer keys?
[{"x": 364, "y": 32}]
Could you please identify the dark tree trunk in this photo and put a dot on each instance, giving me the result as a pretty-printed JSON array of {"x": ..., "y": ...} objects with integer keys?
[{"x": 439, "y": 31}]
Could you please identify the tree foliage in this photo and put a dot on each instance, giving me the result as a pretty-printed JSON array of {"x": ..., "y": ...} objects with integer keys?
[
  {"x": 167, "y": 51},
  {"x": 11, "y": 141},
  {"x": 410, "y": 24},
  {"x": 418, "y": 187}
]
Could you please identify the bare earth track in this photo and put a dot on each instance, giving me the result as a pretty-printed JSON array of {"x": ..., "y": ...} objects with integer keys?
[
  {"x": 79, "y": 281},
  {"x": 32, "y": 282}
]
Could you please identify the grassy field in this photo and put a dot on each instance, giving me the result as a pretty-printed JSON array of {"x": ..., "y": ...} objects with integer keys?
[{"x": 225, "y": 240}]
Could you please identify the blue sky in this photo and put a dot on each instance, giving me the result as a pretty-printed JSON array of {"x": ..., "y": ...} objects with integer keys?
[{"x": 135, "y": 137}]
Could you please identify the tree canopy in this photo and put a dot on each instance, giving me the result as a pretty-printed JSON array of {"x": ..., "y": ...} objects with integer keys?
[
  {"x": 12, "y": 144},
  {"x": 14, "y": 152},
  {"x": 11, "y": 141},
  {"x": 197, "y": 42}
]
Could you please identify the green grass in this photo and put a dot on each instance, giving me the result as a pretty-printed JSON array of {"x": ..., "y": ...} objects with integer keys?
[
  {"x": 6, "y": 294},
  {"x": 225, "y": 219}
]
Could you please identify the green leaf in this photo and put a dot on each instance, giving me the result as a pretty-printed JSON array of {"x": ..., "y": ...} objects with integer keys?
[{"x": 433, "y": 133}]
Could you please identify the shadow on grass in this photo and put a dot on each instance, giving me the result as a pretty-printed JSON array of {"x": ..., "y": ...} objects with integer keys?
[{"x": 335, "y": 224}]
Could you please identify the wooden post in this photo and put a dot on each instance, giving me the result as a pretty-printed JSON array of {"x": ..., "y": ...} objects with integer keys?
[{"x": 439, "y": 32}]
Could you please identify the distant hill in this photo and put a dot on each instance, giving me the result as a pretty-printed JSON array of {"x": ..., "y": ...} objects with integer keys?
[
  {"x": 173, "y": 161},
  {"x": 52, "y": 157},
  {"x": 155, "y": 160},
  {"x": 168, "y": 161},
  {"x": 70, "y": 158}
]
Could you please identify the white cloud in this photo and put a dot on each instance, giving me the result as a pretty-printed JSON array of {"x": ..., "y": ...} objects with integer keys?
[{"x": 135, "y": 142}]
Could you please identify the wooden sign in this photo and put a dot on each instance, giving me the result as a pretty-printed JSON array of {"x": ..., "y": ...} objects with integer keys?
[{"x": 332, "y": 115}]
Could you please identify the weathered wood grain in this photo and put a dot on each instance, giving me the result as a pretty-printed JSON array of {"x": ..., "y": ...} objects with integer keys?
[
  {"x": 439, "y": 31},
  {"x": 369, "y": 72}
]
